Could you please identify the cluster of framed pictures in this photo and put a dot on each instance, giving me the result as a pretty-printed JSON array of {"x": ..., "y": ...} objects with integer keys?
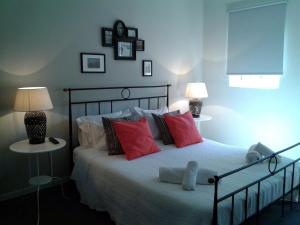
[{"x": 124, "y": 40}]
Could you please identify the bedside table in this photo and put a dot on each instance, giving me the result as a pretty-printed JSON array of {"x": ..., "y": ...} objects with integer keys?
[
  {"x": 24, "y": 147},
  {"x": 200, "y": 119}
]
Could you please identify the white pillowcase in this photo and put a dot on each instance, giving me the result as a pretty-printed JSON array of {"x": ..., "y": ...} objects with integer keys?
[
  {"x": 162, "y": 110},
  {"x": 139, "y": 112},
  {"x": 91, "y": 131}
]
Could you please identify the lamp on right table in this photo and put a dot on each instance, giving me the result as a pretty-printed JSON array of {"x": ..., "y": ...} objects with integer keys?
[{"x": 195, "y": 92}]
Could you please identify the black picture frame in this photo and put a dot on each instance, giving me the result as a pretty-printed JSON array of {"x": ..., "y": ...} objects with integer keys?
[
  {"x": 140, "y": 45},
  {"x": 147, "y": 68},
  {"x": 132, "y": 32},
  {"x": 107, "y": 37},
  {"x": 125, "y": 49},
  {"x": 120, "y": 30},
  {"x": 96, "y": 64}
]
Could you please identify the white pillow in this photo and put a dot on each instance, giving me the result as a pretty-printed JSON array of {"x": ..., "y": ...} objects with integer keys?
[
  {"x": 159, "y": 111},
  {"x": 139, "y": 112},
  {"x": 91, "y": 132}
]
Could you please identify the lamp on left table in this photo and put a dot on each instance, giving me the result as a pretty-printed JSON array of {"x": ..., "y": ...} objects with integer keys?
[{"x": 33, "y": 101}]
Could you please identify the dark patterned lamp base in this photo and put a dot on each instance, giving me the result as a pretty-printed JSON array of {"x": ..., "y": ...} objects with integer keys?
[
  {"x": 35, "y": 123},
  {"x": 195, "y": 108}
]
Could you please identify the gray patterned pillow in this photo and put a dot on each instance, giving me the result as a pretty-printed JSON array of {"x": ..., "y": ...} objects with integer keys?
[
  {"x": 138, "y": 113},
  {"x": 163, "y": 128},
  {"x": 114, "y": 146}
]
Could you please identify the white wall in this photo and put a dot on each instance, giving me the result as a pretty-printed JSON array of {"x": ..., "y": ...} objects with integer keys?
[
  {"x": 245, "y": 116},
  {"x": 40, "y": 42}
]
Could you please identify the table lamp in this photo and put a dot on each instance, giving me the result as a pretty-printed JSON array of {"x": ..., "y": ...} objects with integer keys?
[
  {"x": 33, "y": 100},
  {"x": 195, "y": 92}
]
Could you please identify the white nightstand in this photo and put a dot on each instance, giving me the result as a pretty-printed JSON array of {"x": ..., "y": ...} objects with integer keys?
[
  {"x": 201, "y": 119},
  {"x": 24, "y": 147}
]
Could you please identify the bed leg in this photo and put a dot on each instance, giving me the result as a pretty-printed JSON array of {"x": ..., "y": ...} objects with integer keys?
[
  {"x": 215, "y": 209},
  {"x": 299, "y": 191},
  {"x": 283, "y": 193},
  {"x": 257, "y": 203}
]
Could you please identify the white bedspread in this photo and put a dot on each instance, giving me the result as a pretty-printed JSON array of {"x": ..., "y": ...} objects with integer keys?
[{"x": 131, "y": 192}]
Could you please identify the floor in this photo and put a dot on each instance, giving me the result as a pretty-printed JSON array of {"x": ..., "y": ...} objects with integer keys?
[{"x": 56, "y": 210}]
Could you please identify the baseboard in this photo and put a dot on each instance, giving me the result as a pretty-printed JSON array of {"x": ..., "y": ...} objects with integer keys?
[{"x": 31, "y": 189}]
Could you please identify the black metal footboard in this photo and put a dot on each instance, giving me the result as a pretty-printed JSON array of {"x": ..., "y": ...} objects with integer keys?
[{"x": 245, "y": 189}]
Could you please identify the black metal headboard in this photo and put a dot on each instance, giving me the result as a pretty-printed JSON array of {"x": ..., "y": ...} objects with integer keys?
[{"x": 124, "y": 95}]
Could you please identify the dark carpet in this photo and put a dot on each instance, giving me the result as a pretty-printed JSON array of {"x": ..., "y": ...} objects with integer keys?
[{"x": 56, "y": 210}]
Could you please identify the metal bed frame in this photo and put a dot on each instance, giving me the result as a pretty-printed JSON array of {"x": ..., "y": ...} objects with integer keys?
[
  {"x": 245, "y": 188},
  {"x": 123, "y": 97},
  {"x": 217, "y": 199}
]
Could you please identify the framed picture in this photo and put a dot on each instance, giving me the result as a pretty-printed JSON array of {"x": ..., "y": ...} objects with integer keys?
[
  {"x": 132, "y": 32},
  {"x": 147, "y": 68},
  {"x": 120, "y": 29},
  {"x": 140, "y": 45},
  {"x": 92, "y": 63},
  {"x": 107, "y": 37},
  {"x": 125, "y": 49}
]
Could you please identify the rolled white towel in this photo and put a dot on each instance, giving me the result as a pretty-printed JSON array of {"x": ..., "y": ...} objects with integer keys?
[
  {"x": 253, "y": 156},
  {"x": 264, "y": 151},
  {"x": 206, "y": 176},
  {"x": 175, "y": 175},
  {"x": 171, "y": 175},
  {"x": 190, "y": 176}
]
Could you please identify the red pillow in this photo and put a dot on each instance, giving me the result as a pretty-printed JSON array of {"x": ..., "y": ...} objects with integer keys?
[
  {"x": 135, "y": 138},
  {"x": 183, "y": 129}
]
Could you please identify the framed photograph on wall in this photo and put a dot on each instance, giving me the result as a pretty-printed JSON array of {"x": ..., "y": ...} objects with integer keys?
[
  {"x": 132, "y": 32},
  {"x": 147, "y": 68},
  {"x": 140, "y": 45},
  {"x": 107, "y": 37},
  {"x": 92, "y": 63},
  {"x": 120, "y": 29},
  {"x": 125, "y": 49}
]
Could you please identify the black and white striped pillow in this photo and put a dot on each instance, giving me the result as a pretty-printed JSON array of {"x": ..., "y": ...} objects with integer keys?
[
  {"x": 163, "y": 127},
  {"x": 114, "y": 146}
]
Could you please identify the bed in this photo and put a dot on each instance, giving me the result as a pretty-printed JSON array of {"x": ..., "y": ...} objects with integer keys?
[{"x": 131, "y": 192}]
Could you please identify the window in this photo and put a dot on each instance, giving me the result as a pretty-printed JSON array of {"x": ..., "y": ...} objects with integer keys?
[
  {"x": 255, "y": 81},
  {"x": 255, "y": 43}
]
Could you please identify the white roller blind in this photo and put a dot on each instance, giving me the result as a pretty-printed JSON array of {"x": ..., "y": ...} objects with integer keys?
[{"x": 256, "y": 37}]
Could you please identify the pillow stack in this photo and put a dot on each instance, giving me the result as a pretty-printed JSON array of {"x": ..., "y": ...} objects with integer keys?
[{"x": 133, "y": 132}]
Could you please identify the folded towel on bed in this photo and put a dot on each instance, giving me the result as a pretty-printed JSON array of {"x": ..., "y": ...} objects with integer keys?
[
  {"x": 261, "y": 151},
  {"x": 253, "y": 156},
  {"x": 190, "y": 176},
  {"x": 175, "y": 175}
]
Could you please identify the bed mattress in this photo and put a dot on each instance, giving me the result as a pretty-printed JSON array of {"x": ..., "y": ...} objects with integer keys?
[{"x": 131, "y": 192}]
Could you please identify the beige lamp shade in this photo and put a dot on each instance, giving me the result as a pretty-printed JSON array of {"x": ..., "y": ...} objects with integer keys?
[
  {"x": 196, "y": 90},
  {"x": 32, "y": 99}
]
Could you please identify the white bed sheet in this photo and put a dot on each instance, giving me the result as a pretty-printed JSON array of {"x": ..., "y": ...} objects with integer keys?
[{"x": 131, "y": 192}]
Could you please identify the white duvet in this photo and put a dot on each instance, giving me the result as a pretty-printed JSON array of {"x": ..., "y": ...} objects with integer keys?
[{"x": 131, "y": 192}]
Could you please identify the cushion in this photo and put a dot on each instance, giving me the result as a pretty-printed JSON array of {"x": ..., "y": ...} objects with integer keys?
[
  {"x": 91, "y": 132},
  {"x": 138, "y": 113},
  {"x": 113, "y": 144},
  {"x": 163, "y": 128},
  {"x": 135, "y": 137},
  {"x": 183, "y": 129}
]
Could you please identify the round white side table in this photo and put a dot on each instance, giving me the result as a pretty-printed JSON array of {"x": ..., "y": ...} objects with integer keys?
[
  {"x": 202, "y": 118},
  {"x": 24, "y": 147}
]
